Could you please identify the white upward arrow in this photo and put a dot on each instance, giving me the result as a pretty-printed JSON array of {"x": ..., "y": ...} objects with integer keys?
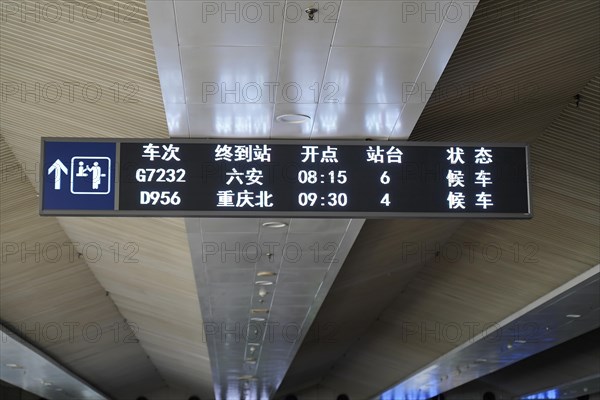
[{"x": 57, "y": 167}]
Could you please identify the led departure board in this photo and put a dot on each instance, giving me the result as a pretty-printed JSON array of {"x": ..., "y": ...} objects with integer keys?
[{"x": 284, "y": 178}]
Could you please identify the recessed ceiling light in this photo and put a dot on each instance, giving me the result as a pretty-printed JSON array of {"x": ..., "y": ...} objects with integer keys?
[
  {"x": 47, "y": 383},
  {"x": 266, "y": 273},
  {"x": 264, "y": 283},
  {"x": 521, "y": 341},
  {"x": 292, "y": 118},
  {"x": 12, "y": 365},
  {"x": 573, "y": 315},
  {"x": 246, "y": 377},
  {"x": 274, "y": 224},
  {"x": 259, "y": 310},
  {"x": 258, "y": 319}
]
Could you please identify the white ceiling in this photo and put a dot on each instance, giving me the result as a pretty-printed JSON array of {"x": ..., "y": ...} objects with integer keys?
[
  {"x": 26, "y": 367},
  {"x": 251, "y": 351},
  {"x": 228, "y": 69}
]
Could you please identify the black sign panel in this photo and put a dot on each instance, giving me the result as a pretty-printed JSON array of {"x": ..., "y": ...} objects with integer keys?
[{"x": 319, "y": 179}]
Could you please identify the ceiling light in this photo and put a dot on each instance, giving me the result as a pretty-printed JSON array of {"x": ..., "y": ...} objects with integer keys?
[
  {"x": 573, "y": 315},
  {"x": 258, "y": 319},
  {"x": 262, "y": 292},
  {"x": 266, "y": 273},
  {"x": 274, "y": 224},
  {"x": 481, "y": 360},
  {"x": 259, "y": 310},
  {"x": 246, "y": 377},
  {"x": 292, "y": 118},
  {"x": 11, "y": 365},
  {"x": 251, "y": 360},
  {"x": 47, "y": 383},
  {"x": 521, "y": 341},
  {"x": 264, "y": 283}
]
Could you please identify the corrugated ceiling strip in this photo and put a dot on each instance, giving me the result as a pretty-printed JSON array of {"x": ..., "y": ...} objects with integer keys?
[{"x": 508, "y": 44}]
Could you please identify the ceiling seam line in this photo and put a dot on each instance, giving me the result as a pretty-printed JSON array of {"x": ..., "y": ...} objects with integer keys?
[
  {"x": 337, "y": 21},
  {"x": 277, "y": 75},
  {"x": 187, "y": 109}
]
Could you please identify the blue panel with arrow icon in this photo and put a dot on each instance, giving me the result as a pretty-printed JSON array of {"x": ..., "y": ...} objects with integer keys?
[{"x": 78, "y": 176}]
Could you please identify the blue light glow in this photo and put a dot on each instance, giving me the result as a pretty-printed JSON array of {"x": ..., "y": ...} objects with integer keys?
[{"x": 547, "y": 395}]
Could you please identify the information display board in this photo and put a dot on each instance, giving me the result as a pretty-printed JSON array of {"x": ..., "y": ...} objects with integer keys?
[{"x": 330, "y": 179}]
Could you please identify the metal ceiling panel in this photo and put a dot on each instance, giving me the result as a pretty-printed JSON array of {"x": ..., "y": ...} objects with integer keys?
[
  {"x": 242, "y": 121},
  {"x": 201, "y": 23},
  {"x": 302, "y": 35},
  {"x": 259, "y": 291},
  {"x": 563, "y": 314},
  {"x": 301, "y": 75},
  {"x": 208, "y": 70},
  {"x": 321, "y": 68},
  {"x": 24, "y": 366},
  {"x": 392, "y": 23},
  {"x": 589, "y": 385},
  {"x": 355, "y": 121},
  {"x": 376, "y": 75}
]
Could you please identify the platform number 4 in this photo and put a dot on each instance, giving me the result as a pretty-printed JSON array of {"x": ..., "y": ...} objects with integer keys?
[{"x": 385, "y": 200}]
